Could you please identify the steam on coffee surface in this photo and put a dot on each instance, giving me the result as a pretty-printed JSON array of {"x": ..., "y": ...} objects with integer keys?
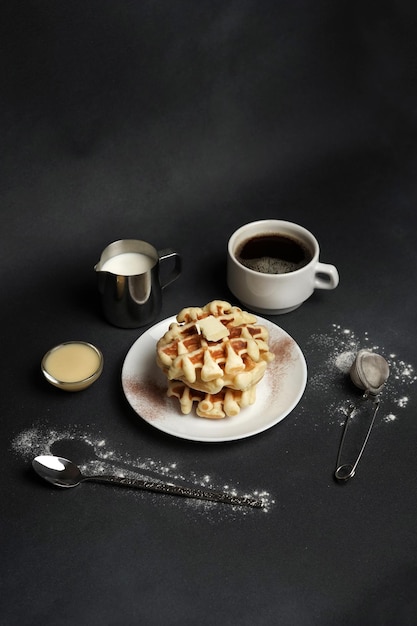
[{"x": 273, "y": 254}]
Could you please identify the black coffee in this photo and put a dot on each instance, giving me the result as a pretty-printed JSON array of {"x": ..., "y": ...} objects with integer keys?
[{"x": 274, "y": 254}]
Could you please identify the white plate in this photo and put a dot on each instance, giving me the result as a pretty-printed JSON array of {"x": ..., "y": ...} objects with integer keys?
[{"x": 277, "y": 394}]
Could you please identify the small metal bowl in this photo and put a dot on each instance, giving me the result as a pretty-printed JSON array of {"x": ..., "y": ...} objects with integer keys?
[{"x": 73, "y": 365}]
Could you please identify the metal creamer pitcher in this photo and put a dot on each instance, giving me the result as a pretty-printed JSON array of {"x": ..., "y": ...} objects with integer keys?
[{"x": 129, "y": 281}]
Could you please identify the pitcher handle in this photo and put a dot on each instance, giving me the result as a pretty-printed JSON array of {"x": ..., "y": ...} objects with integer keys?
[{"x": 164, "y": 255}]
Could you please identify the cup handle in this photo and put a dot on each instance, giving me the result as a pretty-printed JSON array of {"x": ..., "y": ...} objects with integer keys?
[
  {"x": 164, "y": 255},
  {"x": 326, "y": 277}
]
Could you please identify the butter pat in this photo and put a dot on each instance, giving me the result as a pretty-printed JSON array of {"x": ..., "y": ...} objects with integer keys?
[{"x": 212, "y": 328}]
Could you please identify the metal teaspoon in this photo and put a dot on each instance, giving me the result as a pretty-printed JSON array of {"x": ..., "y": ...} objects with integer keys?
[
  {"x": 64, "y": 473},
  {"x": 370, "y": 372}
]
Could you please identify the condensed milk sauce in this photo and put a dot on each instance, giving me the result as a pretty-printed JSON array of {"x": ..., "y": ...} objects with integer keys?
[{"x": 72, "y": 362}]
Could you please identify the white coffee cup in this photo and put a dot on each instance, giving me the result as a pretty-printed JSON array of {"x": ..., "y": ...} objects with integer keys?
[{"x": 276, "y": 293}]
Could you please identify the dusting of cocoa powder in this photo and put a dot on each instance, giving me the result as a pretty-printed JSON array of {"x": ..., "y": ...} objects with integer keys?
[
  {"x": 145, "y": 392},
  {"x": 283, "y": 351}
]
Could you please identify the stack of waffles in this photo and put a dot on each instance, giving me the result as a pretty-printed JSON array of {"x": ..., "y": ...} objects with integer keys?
[{"x": 214, "y": 356}]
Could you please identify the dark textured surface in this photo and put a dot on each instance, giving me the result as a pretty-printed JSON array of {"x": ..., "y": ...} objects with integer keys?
[{"x": 176, "y": 122}]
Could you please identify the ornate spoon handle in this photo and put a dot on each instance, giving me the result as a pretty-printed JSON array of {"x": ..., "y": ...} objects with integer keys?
[{"x": 176, "y": 490}]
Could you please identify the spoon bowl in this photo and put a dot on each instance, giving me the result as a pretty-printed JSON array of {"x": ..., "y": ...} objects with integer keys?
[{"x": 57, "y": 471}]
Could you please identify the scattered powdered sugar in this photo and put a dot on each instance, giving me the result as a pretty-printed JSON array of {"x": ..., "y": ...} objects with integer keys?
[
  {"x": 344, "y": 361},
  {"x": 93, "y": 455},
  {"x": 334, "y": 353}
]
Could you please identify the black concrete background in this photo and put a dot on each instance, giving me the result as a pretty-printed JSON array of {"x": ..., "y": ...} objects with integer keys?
[{"x": 176, "y": 122}]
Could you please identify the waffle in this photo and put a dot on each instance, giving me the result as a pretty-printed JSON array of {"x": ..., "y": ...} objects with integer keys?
[
  {"x": 191, "y": 352},
  {"x": 227, "y": 402},
  {"x": 238, "y": 360}
]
